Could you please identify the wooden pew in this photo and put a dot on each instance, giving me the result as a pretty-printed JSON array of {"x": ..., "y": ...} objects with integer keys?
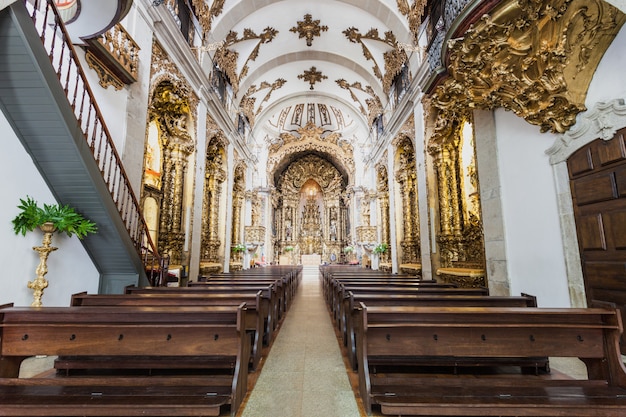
[
  {"x": 342, "y": 292},
  {"x": 167, "y": 340},
  {"x": 255, "y": 321},
  {"x": 351, "y": 308},
  {"x": 268, "y": 299},
  {"x": 400, "y": 335}
]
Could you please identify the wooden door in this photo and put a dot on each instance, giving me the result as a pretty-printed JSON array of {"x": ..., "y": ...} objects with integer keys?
[{"x": 598, "y": 182}]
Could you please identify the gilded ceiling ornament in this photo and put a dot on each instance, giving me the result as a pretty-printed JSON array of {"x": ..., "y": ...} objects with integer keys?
[
  {"x": 248, "y": 101},
  {"x": 535, "y": 58},
  {"x": 226, "y": 56},
  {"x": 414, "y": 11},
  {"x": 394, "y": 58},
  {"x": 312, "y": 76},
  {"x": 309, "y": 138},
  {"x": 308, "y": 28},
  {"x": 372, "y": 106}
]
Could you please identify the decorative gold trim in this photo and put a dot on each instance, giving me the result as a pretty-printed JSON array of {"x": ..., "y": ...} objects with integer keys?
[
  {"x": 535, "y": 58},
  {"x": 227, "y": 58},
  {"x": 394, "y": 58},
  {"x": 106, "y": 76},
  {"x": 312, "y": 76},
  {"x": 414, "y": 13},
  {"x": 248, "y": 101},
  {"x": 373, "y": 106},
  {"x": 308, "y": 28}
]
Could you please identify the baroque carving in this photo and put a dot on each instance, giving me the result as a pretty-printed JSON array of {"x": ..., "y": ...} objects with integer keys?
[
  {"x": 105, "y": 75},
  {"x": 372, "y": 106},
  {"x": 310, "y": 139},
  {"x": 535, "y": 58},
  {"x": 311, "y": 167},
  {"x": 248, "y": 101},
  {"x": 227, "y": 56},
  {"x": 394, "y": 58},
  {"x": 312, "y": 76},
  {"x": 206, "y": 14},
  {"x": 413, "y": 12},
  {"x": 308, "y": 29}
]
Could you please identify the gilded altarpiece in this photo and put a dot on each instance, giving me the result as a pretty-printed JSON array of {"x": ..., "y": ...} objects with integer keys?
[
  {"x": 460, "y": 235},
  {"x": 406, "y": 178},
  {"x": 382, "y": 188},
  {"x": 214, "y": 177},
  {"x": 239, "y": 197},
  {"x": 170, "y": 111},
  {"x": 310, "y": 216}
]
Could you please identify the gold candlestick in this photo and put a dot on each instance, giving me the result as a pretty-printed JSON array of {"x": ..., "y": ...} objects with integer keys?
[{"x": 39, "y": 284}]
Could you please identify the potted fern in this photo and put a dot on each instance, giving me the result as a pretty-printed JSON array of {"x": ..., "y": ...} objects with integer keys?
[
  {"x": 59, "y": 218},
  {"x": 50, "y": 218}
]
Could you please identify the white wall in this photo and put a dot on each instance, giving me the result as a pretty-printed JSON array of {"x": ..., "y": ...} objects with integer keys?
[
  {"x": 70, "y": 269},
  {"x": 608, "y": 81},
  {"x": 531, "y": 219}
]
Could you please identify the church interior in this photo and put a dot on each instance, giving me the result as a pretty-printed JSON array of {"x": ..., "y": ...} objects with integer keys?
[{"x": 474, "y": 143}]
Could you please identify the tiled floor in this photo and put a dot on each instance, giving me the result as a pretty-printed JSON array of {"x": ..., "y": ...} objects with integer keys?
[{"x": 304, "y": 374}]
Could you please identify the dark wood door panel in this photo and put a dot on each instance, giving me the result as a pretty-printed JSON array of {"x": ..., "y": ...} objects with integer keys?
[
  {"x": 598, "y": 183},
  {"x": 611, "y": 151},
  {"x": 611, "y": 276},
  {"x": 595, "y": 189}
]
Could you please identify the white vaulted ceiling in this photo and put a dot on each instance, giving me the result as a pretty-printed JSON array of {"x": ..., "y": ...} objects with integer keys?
[{"x": 284, "y": 60}]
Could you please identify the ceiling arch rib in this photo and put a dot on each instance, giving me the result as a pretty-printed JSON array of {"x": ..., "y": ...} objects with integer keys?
[
  {"x": 385, "y": 11},
  {"x": 289, "y": 53}
]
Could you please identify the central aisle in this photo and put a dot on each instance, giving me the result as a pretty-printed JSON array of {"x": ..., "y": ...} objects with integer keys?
[{"x": 304, "y": 374}]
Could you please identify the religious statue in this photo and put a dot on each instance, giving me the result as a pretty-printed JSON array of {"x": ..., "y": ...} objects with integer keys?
[{"x": 333, "y": 230}]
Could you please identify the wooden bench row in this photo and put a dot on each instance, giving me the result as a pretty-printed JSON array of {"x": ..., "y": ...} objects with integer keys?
[
  {"x": 153, "y": 352},
  {"x": 426, "y": 340},
  {"x": 181, "y": 346}
]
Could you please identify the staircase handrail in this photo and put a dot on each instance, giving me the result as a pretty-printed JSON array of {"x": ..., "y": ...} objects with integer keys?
[{"x": 91, "y": 122}]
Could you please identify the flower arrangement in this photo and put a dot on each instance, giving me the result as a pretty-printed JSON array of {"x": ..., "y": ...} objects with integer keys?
[
  {"x": 381, "y": 248},
  {"x": 288, "y": 248},
  {"x": 348, "y": 249},
  {"x": 240, "y": 247},
  {"x": 64, "y": 219}
]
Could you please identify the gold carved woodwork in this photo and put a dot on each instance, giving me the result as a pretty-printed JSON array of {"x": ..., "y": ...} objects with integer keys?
[
  {"x": 162, "y": 69},
  {"x": 239, "y": 185},
  {"x": 310, "y": 139},
  {"x": 382, "y": 187},
  {"x": 366, "y": 234},
  {"x": 394, "y": 58},
  {"x": 372, "y": 107},
  {"x": 227, "y": 56},
  {"x": 406, "y": 176},
  {"x": 414, "y": 12},
  {"x": 206, "y": 14},
  {"x": 248, "y": 101},
  {"x": 535, "y": 58},
  {"x": 169, "y": 108},
  {"x": 114, "y": 55},
  {"x": 309, "y": 213},
  {"x": 312, "y": 76},
  {"x": 105, "y": 75},
  {"x": 460, "y": 235},
  {"x": 215, "y": 175},
  {"x": 308, "y": 29}
]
